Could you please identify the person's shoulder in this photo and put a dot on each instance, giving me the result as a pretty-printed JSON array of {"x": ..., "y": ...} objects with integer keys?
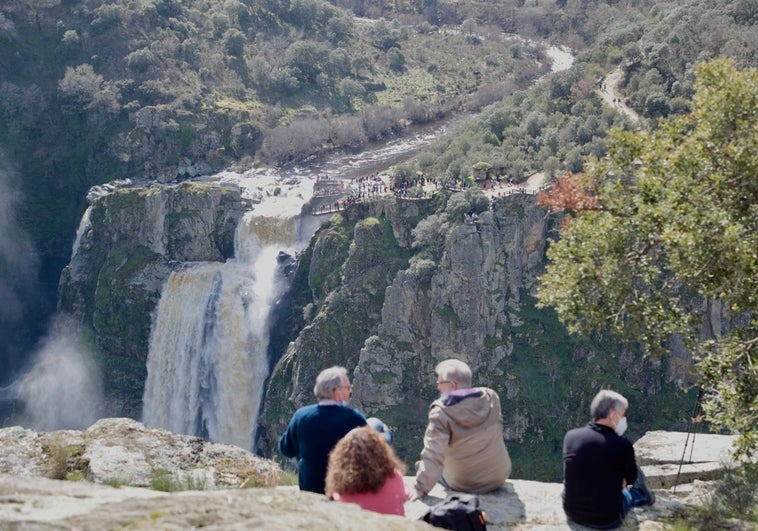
[
  {"x": 342, "y": 411},
  {"x": 623, "y": 441},
  {"x": 356, "y": 414},
  {"x": 489, "y": 393},
  {"x": 574, "y": 431},
  {"x": 436, "y": 409},
  {"x": 580, "y": 431},
  {"x": 306, "y": 410}
]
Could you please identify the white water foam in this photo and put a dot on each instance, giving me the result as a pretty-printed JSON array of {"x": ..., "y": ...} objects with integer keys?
[{"x": 208, "y": 357}]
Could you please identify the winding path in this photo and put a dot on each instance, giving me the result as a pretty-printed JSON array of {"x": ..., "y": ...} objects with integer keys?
[{"x": 611, "y": 96}]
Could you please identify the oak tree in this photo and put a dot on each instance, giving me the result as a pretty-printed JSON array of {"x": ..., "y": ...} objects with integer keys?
[{"x": 662, "y": 234}]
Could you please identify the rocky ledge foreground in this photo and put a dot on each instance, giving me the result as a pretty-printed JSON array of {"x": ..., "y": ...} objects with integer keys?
[{"x": 116, "y": 460}]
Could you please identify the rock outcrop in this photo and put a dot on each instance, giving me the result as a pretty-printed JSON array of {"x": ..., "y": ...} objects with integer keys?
[
  {"x": 129, "y": 241},
  {"x": 113, "y": 460},
  {"x": 120, "y": 451}
]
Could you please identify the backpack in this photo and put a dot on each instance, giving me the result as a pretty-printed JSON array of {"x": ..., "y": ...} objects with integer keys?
[{"x": 460, "y": 512}]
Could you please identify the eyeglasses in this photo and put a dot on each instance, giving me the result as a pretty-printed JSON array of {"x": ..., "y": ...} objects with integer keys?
[{"x": 440, "y": 382}]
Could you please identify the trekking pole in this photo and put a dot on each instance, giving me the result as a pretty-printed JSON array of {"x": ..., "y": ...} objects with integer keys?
[{"x": 695, "y": 418}]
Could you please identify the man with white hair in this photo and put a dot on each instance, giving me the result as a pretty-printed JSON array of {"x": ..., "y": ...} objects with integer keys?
[
  {"x": 601, "y": 480},
  {"x": 314, "y": 430},
  {"x": 463, "y": 444}
]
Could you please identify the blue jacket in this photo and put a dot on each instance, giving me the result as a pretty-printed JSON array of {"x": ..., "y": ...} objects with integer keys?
[{"x": 312, "y": 433}]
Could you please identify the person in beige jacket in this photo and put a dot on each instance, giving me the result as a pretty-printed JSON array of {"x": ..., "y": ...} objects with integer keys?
[{"x": 463, "y": 443}]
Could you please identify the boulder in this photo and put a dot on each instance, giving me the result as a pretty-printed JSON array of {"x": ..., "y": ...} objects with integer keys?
[{"x": 670, "y": 459}]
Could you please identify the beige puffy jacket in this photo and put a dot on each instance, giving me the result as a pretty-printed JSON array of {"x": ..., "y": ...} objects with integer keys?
[{"x": 464, "y": 443}]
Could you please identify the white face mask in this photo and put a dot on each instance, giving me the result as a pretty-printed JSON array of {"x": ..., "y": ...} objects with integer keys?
[{"x": 621, "y": 426}]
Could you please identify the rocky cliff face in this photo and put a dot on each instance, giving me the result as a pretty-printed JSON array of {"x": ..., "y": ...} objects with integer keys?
[
  {"x": 470, "y": 297},
  {"x": 129, "y": 242}
]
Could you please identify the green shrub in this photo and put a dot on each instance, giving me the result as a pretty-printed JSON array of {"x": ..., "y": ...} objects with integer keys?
[
  {"x": 736, "y": 494},
  {"x": 140, "y": 60},
  {"x": 161, "y": 480},
  {"x": 62, "y": 459},
  {"x": 288, "y": 477},
  {"x": 733, "y": 503}
]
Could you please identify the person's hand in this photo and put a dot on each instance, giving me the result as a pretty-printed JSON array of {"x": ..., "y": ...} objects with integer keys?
[{"x": 414, "y": 495}]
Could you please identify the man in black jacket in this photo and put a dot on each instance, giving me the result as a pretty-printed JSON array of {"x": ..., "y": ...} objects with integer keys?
[{"x": 601, "y": 481}]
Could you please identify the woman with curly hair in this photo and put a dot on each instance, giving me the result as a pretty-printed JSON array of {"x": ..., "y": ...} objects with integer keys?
[{"x": 363, "y": 469}]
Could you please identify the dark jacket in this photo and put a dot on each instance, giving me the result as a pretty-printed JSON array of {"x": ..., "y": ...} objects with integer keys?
[
  {"x": 312, "y": 433},
  {"x": 596, "y": 461}
]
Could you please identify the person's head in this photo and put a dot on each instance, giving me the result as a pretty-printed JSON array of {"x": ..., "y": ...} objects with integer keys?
[
  {"x": 381, "y": 428},
  {"x": 451, "y": 375},
  {"x": 608, "y": 407},
  {"x": 361, "y": 462},
  {"x": 333, "y": 384}
]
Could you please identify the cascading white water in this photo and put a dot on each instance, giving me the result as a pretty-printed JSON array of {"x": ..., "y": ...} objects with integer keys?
[
  {"x": 208, "y": 349},
  {"x": 85, "y": 224}
]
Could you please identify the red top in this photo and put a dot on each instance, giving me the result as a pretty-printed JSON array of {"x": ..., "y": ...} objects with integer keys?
[{"x": 389, "y": 499}]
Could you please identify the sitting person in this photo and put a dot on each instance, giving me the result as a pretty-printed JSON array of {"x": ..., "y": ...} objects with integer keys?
[
  {"x": 315, "y": 429},
  {"x": 463, "y": 444},
  {"x": 601, "y": 479},
  {"x": 363, "y": 469}
]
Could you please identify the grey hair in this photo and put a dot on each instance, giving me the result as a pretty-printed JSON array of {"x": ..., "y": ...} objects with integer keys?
[
  {"x": 605, "y": 402},
  {"x": 454, "y": 371},
  {"x": 327, "y": 381}
]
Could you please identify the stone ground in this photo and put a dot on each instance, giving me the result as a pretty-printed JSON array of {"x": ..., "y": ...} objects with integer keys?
[
  {"x": 123, "y": 453},
  {"x": 522, "y": 504},
  {"x": 42, "y": 504}
]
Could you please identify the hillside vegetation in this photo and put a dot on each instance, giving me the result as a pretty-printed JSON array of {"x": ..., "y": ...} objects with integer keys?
[
  {"x": 93, "y": 90},
  {"x": 554, "y": 127},
  {"x": 159, "y": 89}
]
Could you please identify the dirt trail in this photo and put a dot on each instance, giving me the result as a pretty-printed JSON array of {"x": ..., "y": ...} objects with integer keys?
[{"x": 608, "y": 92}]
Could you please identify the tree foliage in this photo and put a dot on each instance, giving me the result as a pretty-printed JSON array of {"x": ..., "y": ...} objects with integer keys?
[{"x": 673, "y": 236}]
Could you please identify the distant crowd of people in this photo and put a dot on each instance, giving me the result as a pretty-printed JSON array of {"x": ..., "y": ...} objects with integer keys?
[
  {"x": 366, "y": 188},
  {"x": 350, "y": 458}
]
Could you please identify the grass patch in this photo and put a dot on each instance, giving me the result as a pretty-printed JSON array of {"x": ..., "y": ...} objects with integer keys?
[
  {"x": 64, "y": 460},
  {"x": 287, "y": 478},
  {"x": 164, "y": 481},
  {"x": 75, "y": 475}
]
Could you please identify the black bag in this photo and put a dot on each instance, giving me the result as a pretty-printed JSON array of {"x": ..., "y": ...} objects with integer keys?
[{"x": 460, "y": 512}]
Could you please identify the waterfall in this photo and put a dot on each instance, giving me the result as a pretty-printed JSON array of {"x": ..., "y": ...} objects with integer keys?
[
  {"x": 85, "y": 224},
  {"x": 208, "y": 358}
]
